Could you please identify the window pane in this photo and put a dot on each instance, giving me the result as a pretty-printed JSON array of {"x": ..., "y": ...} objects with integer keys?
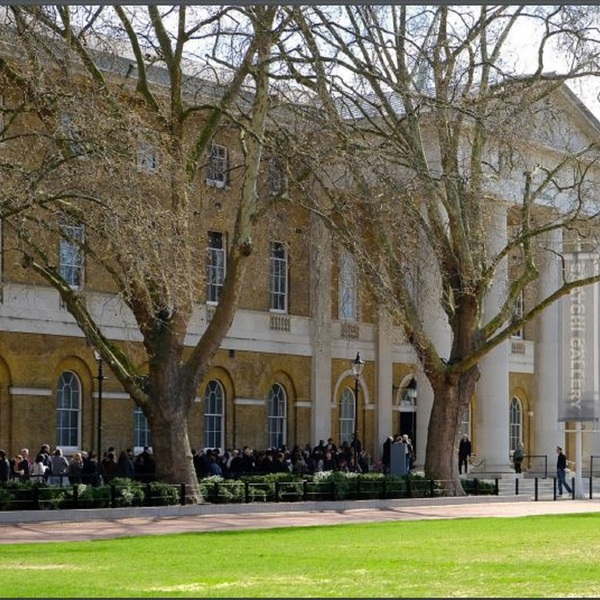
[
  {"x": 214, "y": 415},
  {"x": 348, "y": 288},
  {"x": 278, "y": 277},
  {"x": 68, "y": 402},
  {"x": 217, "y": 165},
  {"x": 71, "y": 255},
  {"x": 347, "y": 415},
  {"x": 142, "y": 435},
  {"x": 277, "y": 416},
  {"x": 215, "y": 266}
]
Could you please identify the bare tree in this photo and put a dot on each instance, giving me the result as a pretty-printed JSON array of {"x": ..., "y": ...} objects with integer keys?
[
  {"x": 108, "y": 130},
  {"x": 429, "y": 138}
]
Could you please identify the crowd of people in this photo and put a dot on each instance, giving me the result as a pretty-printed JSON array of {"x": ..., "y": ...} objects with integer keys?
[
  {"x": 325, "y": 456},
  {"x": 54, "y": 468}
]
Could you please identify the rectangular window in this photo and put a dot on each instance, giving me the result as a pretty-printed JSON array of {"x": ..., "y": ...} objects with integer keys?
[
  {"x": 147, "y": 153},
  {"x": 215, "y": 266},
  {"x": 276, "y": 176},
  {"x": 348, "y": 288},
  {"x": 142, "y": 436},
  {"x": 518, "y": 314},
  {"x": 70, "y": 259},
  {"x": 217, "y": 169},
  {"x": 278, "y": 278},
  {"x": 72, "y": 138}
]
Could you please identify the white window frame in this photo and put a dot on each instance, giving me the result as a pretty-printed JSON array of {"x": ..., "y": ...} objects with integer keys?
[
  {"x": 68, "y": 404},
  {"x": 515, "y": 424},
  {"x": 214, "y": 415},
  {"x": 68, "y": 129},
  {"x": 218, "y": 166},
  {"x": 147, "y": 152},
  {"x": 347, "y": 415},
  {"x": 142, "y": 434},
  {"x": 215, "y": 266},
  {"x": 71, "y": 259},
  {"x": 465, "y": 424},
  {"x": 277, "y": 416},
  {"x": 518, "y": 312},
  {"x": 348, "y": 288},
  {"x": 278, "y": 277}
]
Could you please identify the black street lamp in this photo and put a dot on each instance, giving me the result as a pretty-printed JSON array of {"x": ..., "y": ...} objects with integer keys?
[
  {"x": 100, "y": 377},
  {"x": 357, "y": 368}
]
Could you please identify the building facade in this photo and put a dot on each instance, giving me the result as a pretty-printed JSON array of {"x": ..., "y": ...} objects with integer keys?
[{"x": 283, "y": 375}]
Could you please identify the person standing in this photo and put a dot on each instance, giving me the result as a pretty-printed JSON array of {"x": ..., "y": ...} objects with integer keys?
[
  {"x": 518, "y": 456},
  {"x": 464, "y": 453},
  {"x": 561, "y": 465}
]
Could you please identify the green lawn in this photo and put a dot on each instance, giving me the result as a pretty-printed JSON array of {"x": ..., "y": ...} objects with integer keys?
[{"x": 540, "y": 556}]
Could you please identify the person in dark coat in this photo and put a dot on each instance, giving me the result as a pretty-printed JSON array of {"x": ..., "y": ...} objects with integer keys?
[
  {"x": 464, "y": 452},
  {"x": 386, "y": 454}
]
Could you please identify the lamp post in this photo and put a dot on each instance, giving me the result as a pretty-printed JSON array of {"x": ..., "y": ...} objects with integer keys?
[
  {"x": 100, "y": 377},
  {"x": 411, "y": 394},
  {"x": 357, "y": 368}
]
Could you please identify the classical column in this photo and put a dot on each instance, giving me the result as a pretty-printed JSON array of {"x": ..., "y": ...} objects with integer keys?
[
  {"x": 435, "y": 324},
  {"x": 547, "y": 432},
  {"x": 491, "y": 432},
  {"x": 385, "y": 416},
  {"x": 320, "y": 300}
]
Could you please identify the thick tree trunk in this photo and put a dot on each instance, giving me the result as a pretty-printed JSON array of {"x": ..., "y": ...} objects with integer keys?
[
  {"x": 451, "y": 399},
  {"x": 172, "y": 449}
]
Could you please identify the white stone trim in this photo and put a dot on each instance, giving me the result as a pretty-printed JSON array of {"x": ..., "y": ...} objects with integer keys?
[
  {"x": 113, "y": 395},
  {"x": 303, "y": 404},
  {"x": 249, "y": 401},
  {"x": 29, "y": 391}
]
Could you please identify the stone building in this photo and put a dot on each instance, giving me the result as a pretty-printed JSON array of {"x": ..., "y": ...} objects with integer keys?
[{"x": 284, "y": 372}]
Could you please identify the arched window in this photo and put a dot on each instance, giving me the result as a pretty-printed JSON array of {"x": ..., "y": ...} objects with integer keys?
[
  {"x": 68, "y": 408},
  {"x": 277, "y": 416},
  {"x": 142, "y": 435},
  {"x": 515, "y": 424},
  {"x": 214, "y": 403},
  {"x": 347, "y": 416}
]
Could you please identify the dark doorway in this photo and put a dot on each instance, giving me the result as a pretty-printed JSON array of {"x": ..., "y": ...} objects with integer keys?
[{"x": 408, "y": 425}]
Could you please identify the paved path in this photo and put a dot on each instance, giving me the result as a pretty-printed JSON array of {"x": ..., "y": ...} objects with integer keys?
[{"x": 223, "y": 518}]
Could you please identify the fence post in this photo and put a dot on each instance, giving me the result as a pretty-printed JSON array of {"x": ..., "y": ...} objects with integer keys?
[
  {"x": 496, "y": 487},
  {"x": 431, "y": 488},
  {"x": 113, "y": 495},
  {"x": 384, "y": 487},
  {"x": 147, "y": 494},
  {"x": 246, "y": 491},
  {"x": 333, "y": 490},
  {"x": 36, "y": 497},
  {"x": 277, "y": 491},
  {"x": 475, "y": 487},
  {"x": 516, "y": 486},
  {"x": 554, "y": 488},
  {"x": 216, "y": 492},
  {"x": 304, "y": 489},
  {"x": 357, "y": 488},
  {"x": 182, "y": 494},
  {"x": 76, "y": 496},
  {"x": 408, "y": 488},
  {"x": 591, "y": 487}
]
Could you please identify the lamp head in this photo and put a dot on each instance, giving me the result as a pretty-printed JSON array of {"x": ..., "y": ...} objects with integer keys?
[{"x": 357, "y": 366}]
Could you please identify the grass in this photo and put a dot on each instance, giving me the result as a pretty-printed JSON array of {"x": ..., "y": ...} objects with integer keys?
[{"x": 541, "y": 556}]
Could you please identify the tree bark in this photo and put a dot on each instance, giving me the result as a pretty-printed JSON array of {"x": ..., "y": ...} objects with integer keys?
[
  {"x": 171, "y": 446},
  {"x": 451, "y": 399}
]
